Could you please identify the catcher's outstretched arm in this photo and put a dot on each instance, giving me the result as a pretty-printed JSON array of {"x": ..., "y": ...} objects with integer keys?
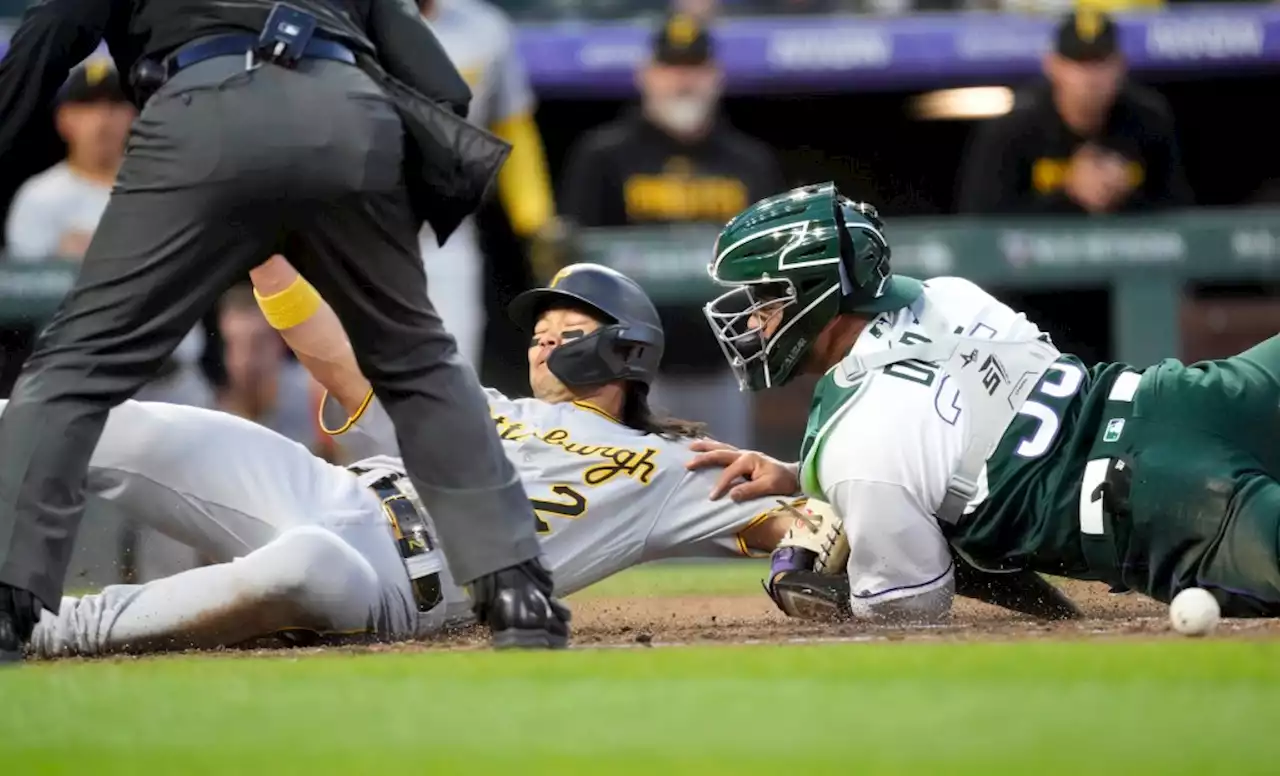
[{"x": 311, "y": 330}]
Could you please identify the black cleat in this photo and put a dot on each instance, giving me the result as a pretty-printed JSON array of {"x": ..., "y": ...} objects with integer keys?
[
  {"x": 18, "y": 613},
  {"x": 517, "y": 605}
]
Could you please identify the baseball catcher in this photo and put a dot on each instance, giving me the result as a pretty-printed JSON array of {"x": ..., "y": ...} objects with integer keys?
[{"x": 947, "y": 426}]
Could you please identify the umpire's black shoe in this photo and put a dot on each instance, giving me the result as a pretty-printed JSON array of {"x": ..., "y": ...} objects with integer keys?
[
  {"x": 517, "y": 605},
  {"x": 18, "y": 613}
]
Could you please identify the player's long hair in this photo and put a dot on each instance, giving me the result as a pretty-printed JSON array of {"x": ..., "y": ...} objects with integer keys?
[{"x": 637, "y": 414}]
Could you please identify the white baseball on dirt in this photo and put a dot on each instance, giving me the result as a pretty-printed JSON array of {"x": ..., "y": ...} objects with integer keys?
[{"x": 1194, "y": 612}]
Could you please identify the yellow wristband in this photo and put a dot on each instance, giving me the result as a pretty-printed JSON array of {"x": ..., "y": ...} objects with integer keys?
[{"x": 289, "y": 307}]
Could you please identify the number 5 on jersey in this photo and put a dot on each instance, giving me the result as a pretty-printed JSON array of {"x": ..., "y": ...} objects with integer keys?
[
  {"x": 1045, "y": 407},
  {"x": 571, "y": 504}
]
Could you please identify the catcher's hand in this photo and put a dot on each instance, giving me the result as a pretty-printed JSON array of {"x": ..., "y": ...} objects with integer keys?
[{"x": 807, "y": 570}]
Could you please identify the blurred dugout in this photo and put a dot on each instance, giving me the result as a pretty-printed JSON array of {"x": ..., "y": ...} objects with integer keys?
[{"x": 480, "y": 40}]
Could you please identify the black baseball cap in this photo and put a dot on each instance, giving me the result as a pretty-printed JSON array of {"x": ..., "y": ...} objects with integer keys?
[
  {"x": 93, "y": 81},
  {"x": 1086, "y": 35},
  {"x": 682, "y": 40}
]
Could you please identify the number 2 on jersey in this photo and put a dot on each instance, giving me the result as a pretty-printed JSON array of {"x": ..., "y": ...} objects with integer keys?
[
  {"x": 1053, "y": 388},
  {"x": 572, "y": 504}
]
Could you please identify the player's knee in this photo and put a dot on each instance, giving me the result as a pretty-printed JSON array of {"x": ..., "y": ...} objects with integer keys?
[{"x": 314, "y": 571}]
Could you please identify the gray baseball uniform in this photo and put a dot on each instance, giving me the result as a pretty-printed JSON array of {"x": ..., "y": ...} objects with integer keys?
[
  {"x": 606, "y": 497},
  {"x": 304, "y": 544},
  {"x": 299, "y": 542}
]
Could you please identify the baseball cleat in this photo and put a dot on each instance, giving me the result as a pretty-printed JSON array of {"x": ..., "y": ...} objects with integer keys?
[
  {"x": 517, "y": 605},
  {"x": 18, "y": 614}
]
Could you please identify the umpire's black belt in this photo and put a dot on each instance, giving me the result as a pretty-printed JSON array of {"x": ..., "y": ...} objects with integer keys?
[{"x": 239, "y": 45}]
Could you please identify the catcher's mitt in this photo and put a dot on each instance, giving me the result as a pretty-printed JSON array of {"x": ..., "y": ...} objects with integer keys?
[
  {"x": 808, "y": 580},
  {"x": 807, "y": 570}
]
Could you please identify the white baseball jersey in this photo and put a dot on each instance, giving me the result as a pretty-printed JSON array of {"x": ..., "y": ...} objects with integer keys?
[
  {"x": 888, "y": 456},
  {"x": 480, "y": 40},
  {"x": 606, "y": 496},
  {"x": 50, "y": 205}
]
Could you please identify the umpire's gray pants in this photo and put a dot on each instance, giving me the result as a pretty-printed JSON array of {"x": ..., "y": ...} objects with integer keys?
[{"x": 224, "y": 168}]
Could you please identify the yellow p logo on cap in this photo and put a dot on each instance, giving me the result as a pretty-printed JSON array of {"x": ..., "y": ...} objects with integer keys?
[
  {"x": 96, "y": 70},
  {"x": 561, "y": 275},
  {"x": 1088, "y": 23},
  {"x": 682, "y": 29}
]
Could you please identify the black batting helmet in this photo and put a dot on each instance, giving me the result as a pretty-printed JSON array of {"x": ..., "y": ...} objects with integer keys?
[{"x": 628, "y": 346}]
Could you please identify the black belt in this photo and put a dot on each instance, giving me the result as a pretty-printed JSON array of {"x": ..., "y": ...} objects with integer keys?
[
  {"x": 239, "y": 45},
  {"x": 411, "y": 535}
]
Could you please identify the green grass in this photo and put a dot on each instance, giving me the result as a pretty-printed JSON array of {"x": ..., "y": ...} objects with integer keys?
[
  {"x": 1039, "y": 708},
  {"x": 1171, "y": 707}
]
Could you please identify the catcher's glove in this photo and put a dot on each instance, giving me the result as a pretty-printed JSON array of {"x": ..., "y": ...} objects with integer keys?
[
  {"x": 808, "y": 578},
  {"x": 807, "y": 570}
]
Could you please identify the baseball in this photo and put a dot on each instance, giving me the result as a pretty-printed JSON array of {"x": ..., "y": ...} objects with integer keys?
[{"x": 1194, "y": 612}]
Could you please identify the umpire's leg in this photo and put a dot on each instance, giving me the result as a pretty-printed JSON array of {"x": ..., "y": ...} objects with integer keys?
[
  {"x": 362, "y": 256},
  {"x": 165, "y": 248},
  {"x": 354, "y": 236}
]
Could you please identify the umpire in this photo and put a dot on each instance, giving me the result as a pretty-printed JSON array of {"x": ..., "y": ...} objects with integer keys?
[{"x": 326, "y": 130}]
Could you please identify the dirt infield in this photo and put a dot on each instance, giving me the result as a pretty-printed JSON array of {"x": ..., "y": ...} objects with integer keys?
[
  {"x": 638, "y": 622},
  {"x": 619, "y": 622},
  {"x": 753, "y": 619}
]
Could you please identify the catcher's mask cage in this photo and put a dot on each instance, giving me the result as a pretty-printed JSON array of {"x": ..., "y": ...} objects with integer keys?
[
  {"x": 739, "y": 317},
  {"x": 796, "y": 261}
]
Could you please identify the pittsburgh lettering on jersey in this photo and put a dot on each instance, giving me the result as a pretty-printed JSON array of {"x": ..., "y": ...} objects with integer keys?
[
  {"x": 512, "y": 430},
  {"x": 638, "y": 464},
  {"x": 1050, "y": 175},
  {"x": 683, "y": 197}
]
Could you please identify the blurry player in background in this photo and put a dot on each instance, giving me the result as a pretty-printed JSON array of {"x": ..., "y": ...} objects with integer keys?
[
  {"x": 1088, "y": 140},
  {"x": 263, "y": 384},
  {"x": 480, "y": 40},
  {"x": 676, "y": 159},
  {"x": 55, "y": 213}
]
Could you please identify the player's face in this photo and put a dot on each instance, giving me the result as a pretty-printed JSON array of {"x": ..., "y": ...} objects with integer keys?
[
  {"x": 1087, "y": 86},
  {"x": 681, "y": 98},
  {"x": 554, "y": 328},
  {"x": 96, "y": 132},
  {"x": 252, "y": 349},
  {"x": 768, "y": 317}
]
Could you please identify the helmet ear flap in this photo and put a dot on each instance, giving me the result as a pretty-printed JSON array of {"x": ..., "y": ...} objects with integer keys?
[
  {"x": 848, "y": 254},
  {"x": 856, "y": 277}
]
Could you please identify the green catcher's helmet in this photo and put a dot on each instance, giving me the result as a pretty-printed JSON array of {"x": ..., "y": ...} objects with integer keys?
[{"x": 803, "y": 257}]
